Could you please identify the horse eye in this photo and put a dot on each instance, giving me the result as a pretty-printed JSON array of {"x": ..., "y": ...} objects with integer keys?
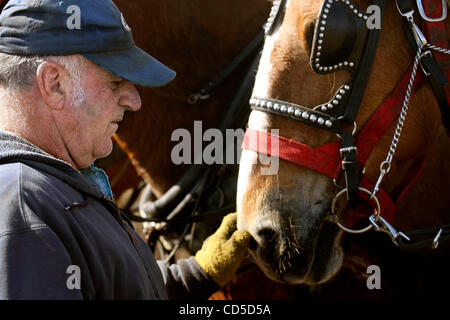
[{"x": 308, "y": 35}]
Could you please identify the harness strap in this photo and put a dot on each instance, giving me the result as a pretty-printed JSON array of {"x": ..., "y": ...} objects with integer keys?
[
  {"x": 348, "y": 150},
  {"x": 218, "y": 79},
  {"x": 425, "y": 238},
  {"x": 436, "y": 33},
  {"x": 350, "y": 166},
  {"x": 325, "y": 158},
  {"x": 432, "y": 64},
  {"x": 362, "y": 75}
]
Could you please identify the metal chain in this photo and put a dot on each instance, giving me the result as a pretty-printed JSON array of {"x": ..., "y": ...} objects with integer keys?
[
  {"x": 385, "y": 166},
  {"x": 442, "y": 50}
]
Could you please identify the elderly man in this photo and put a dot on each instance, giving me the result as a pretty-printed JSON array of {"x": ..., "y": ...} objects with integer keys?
[{"x": 65, "y": 85}]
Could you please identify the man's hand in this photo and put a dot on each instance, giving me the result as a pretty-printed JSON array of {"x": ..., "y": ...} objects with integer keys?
[{"x": 222, "y": 253}]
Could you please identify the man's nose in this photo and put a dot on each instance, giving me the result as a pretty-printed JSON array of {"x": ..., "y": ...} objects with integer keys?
[{"x": 130, "y": 98}]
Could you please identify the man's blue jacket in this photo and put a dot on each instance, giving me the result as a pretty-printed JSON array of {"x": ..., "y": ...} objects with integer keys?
[{"x": 61, "y": 238}]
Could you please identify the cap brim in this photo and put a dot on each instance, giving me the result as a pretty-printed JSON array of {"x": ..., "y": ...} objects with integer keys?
[{"x": 134, "y": 65}]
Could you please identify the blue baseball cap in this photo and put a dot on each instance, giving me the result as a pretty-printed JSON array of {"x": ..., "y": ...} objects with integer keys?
[{"x": 94, "y": 28}]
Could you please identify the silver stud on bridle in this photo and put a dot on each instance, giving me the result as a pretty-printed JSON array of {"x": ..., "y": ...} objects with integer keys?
[
  {"x": 289, "y": 109},
  {"x": 323, "y": 22},
  {"x": 272, "y": 16}
]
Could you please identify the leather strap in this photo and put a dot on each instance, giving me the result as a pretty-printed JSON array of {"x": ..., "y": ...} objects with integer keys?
[
  {"x": 436, "y": 34},
  {"x": 323, "y": 159},
  {"x": 350, "y": 166},
  {"x": 365, "y": 67},
  {"x": 425, "y": 238}
]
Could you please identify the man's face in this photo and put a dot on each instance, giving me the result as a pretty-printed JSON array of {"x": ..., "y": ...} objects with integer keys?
[{"x": 95, "y": 120}]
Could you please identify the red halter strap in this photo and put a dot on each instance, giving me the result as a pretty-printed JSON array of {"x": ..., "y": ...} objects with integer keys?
[
  {"x": 325, "y": 158},
  {"x": 436, "y": 33}
]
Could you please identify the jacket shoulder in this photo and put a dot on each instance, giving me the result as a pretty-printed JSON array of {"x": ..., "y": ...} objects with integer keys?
[{"x": 26, "y": 194}]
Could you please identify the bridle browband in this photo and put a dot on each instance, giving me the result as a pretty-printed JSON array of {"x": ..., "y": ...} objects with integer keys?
[{"x": 350, "y": 154}]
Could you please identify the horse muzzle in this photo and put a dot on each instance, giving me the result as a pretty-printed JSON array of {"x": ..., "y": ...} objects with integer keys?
[{"x": 305, "y": 249}]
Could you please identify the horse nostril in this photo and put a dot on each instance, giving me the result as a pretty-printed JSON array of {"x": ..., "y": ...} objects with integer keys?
[{"x": 266, "y": 237}]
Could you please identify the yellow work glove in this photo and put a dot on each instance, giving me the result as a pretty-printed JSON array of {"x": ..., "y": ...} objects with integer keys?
[{"x": 222, "y": 253}]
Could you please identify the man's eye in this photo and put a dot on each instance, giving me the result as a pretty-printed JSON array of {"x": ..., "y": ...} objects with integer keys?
[{"x": 116, "y": 84}]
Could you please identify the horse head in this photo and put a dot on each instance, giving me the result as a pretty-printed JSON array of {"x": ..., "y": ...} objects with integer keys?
[{"x": 310, "y": 59}]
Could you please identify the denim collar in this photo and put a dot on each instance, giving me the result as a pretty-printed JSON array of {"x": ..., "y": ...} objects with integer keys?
[{"x": 99, "y": 178}]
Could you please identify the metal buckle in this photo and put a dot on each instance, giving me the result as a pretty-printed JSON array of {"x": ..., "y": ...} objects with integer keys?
[
  {"x": 386, "y": 228},
  {"x": 424, "y": 54},
  {"x": 436, "y": 239},
  {"x": 348, "y": 150},
  {"x": 417, "y": 33},
  {"x": 427, "y": 18},
  {"x": 409, "y": 15}
]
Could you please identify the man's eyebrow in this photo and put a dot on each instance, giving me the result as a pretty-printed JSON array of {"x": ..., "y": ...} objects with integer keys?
[
  {"x": 109, "y": 76},
  {"x": 113, "y": 77}
]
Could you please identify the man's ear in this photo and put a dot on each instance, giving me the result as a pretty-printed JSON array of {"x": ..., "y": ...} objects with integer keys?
[{"x": 52, "y": 80}]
